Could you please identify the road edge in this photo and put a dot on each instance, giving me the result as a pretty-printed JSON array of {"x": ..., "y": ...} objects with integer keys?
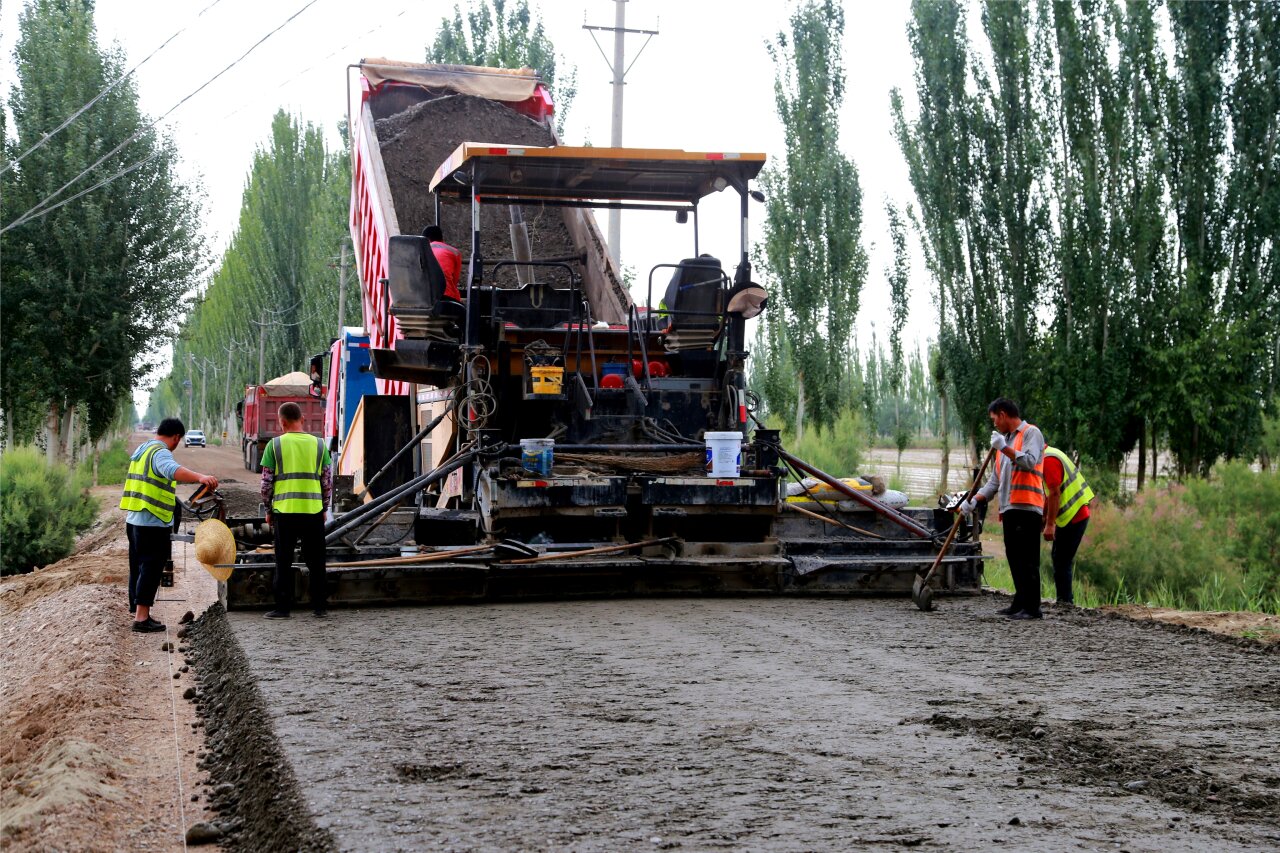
[{"x": 254, "y": 786}]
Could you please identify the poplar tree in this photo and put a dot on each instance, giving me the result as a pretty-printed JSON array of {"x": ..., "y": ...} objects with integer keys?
[
  {"x": 502, "y": 34},
  {"x": 93, "y": 287},
  {"x": 280, "y": 270},
  {"x": 813, "y": 249}
]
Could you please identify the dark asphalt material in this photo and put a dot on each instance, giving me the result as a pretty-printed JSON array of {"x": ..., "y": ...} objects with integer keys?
[{"x": 773, "y": 724}]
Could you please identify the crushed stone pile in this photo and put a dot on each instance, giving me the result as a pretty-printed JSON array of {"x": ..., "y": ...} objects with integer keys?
[{"x": 417, "y": 140}]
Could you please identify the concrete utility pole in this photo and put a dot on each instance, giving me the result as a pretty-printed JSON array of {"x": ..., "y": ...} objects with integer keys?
[
  {"x": 262, "y": 350},
  {"x": 342, "y": 287},
  {"x": 226, "y": 392},
  {"x": 191, "y": 411},
  {"x": 204, "y": 384},
  {"x": 619, "y": 30}
]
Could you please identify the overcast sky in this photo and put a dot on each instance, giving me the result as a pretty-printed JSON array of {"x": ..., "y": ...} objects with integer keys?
[{"x": 705, "y": 82}]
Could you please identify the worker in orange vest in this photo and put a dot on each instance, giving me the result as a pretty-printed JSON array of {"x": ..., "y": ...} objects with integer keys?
[{"x": 1018, "y": 481}]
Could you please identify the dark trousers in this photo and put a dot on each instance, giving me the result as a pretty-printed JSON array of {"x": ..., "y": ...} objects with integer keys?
[
  {"x": 1022, "y": 529},
  {"x": 149, "y": 551},
  {"x": 1066, "y": 541},
  {"x": 290, "y": 528}
]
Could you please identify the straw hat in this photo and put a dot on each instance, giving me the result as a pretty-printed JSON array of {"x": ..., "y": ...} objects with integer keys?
[{"x": 215, "y": 548}]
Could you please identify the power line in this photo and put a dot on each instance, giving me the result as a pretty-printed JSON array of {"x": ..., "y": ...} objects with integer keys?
[
  {"x": 36, "y": 211},
  {"x": 75, "y": 115}
]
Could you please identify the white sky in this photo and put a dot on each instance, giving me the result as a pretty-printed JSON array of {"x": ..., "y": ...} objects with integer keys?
[{"x": 704, "y": 83}]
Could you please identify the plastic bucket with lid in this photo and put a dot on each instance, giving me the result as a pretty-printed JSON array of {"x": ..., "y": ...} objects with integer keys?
[
  {"x": 547, "y": 379},
  {"x": 724, "y": 454},
  {"x": 537, "y": 455}
]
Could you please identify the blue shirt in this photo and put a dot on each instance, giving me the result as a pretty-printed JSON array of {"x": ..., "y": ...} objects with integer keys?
[{"x": 166, "y": 466}]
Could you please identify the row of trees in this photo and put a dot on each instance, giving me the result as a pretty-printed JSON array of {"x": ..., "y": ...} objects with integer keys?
[
  {"x": 92, "y": 286},
  {"x": 1100, "y": 218},
  {"x": 273, "y": 300}
]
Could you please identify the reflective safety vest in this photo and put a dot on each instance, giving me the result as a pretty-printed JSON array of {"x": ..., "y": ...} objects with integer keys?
[
  {"x": 299, "y": 459},
  {"x": 146, "y": 489},
  {"x": 1076, "y": 493},
  {"x": 1026, "y": 487}
]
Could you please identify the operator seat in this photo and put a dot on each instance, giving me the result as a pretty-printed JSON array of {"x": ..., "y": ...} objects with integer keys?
[
  {"x": 694, "y": 304},
  {"x": 416, "y": 286}
]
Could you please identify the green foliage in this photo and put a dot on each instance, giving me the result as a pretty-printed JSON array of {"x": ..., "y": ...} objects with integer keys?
[
  {"x": 280, "y": 268},
  {"x": 835, "y": 449},
  {"x": 42, "y": 509},
  {"x": 1209, "y": 544},
  {"x": 502, "y": 34},
  {"x": 1099, "y": 218},
  {"x": 813, "y": 246},
  {"x": 113, "y": 464},
  {"x": 91, "y": 289}
]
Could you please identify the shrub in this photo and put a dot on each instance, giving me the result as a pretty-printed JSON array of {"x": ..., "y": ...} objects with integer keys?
[
  {"x": 837, "y": 449},
  {"x": 1211, "y": 544},
  {"x": 113, "y": 464},
  {"x": 42, "y": 509}
]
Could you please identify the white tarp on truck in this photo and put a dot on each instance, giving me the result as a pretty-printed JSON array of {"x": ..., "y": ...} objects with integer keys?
[{"x": 295, "y": 384}]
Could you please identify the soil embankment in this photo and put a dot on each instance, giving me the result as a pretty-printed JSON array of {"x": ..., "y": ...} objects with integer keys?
[{"x": 98, "y": 750}]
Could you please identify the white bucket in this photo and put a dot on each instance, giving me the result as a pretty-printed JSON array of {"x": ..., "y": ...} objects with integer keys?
[
  {"x": 537, "y": 455},
  {"x": 724, "y": 454}
]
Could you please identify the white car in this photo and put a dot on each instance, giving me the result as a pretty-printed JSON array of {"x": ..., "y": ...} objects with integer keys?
[{"x": 194, "y": 438}]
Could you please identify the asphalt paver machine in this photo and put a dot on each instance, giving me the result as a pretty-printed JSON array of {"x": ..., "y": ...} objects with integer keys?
[{"x": 565, "y": 455}]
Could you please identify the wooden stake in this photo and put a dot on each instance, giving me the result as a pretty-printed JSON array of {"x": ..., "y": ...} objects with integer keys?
[{"x": 834, "y": 521}]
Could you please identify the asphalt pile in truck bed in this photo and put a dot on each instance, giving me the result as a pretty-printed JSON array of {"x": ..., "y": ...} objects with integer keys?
[{"x": 416, "y": 141}]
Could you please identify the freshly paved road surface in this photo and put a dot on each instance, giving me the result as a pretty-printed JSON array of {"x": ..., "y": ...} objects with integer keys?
[{"x": 770, "y": 724}]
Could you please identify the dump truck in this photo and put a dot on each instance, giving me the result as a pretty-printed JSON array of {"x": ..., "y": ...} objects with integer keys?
[
  {"x": 258, "y": 412},
  {"x": 570, "y": 441}
]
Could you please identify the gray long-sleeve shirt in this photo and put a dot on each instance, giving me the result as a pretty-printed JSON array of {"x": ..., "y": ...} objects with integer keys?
[{"x": 1027, "y": 459}]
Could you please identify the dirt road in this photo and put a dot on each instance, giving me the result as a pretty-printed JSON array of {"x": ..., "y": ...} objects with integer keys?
[{"x": 770, "y": 724}]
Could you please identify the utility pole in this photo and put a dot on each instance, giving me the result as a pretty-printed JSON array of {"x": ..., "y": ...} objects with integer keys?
[
  {"x": 342, "y": 287},
  {"x": 262, "y": 349},
  {"x": 619, "y": 30},
  {"x": 204, "y": 399},
  {"x": 226, "y": 392},
  {"x": 191, "y": 362}
]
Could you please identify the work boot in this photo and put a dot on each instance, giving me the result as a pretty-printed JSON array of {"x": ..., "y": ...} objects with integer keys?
[
  {"x": 1022, "y": 614},
  {"x": 1008, "y": 611},
  {"x": 276, "y": 614},
  {"x": 155, "y": 623},
  {"x": 147, "y": 627},
  {"x": 320, "y": 613}
]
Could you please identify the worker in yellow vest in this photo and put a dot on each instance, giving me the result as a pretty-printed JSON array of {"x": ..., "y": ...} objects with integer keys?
[
  {"x": 1018, "y": 482},
  {"x": 297, "y": 487},
  {"x": 1066, "y": 515},
  {"x": 149, "y": 501}
]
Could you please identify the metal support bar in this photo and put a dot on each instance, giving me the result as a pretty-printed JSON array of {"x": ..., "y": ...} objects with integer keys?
[{"x": 869, "y": 502}]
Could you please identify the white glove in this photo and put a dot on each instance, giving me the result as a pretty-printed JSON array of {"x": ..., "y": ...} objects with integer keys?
[
  {"x": 328, "y": 516},
  {"x": 997, "y": 441},
  {"x": 967, "y": 507}
]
